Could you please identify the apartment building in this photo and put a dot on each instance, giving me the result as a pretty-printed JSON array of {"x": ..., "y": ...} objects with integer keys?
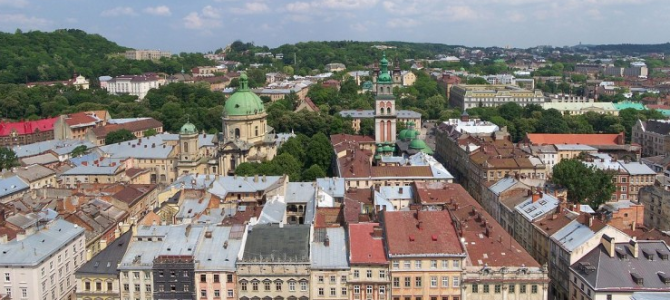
[
  {"x": 329, "y": 266},
  {"x": 369, "y": 277},
  {"x": 136, "y": 85},
  {"x": 466, "y": 96},
  {"x": 653, "y": 136},
  {"x": 99, "y": 278},
  {"x": 146, "y": 54}
]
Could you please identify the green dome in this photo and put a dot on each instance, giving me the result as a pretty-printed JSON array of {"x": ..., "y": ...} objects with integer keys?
[
  {"x": 388, "y": 148},
  {"x": 243, "y": 102},
  {"x": 417, "y": 144},
  {"x": 188, "y": 128},
  {"x": 384, "y": 76},
  {"x": 411, "y": 123},
  {"x": 408, "y": 134}
]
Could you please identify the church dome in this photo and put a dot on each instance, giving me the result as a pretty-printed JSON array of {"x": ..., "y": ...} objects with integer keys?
[
  {"x": 188, "y": 128},
  {"x": 384, "y": 76},
  {"x": 243, "y": 102},
  {"x": 408, "y": 134},
  {"x": 419, "y": 145}
]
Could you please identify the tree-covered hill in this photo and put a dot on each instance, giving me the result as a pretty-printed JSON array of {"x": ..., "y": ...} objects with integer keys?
[
  {"x": 48, "y": 56},
  {"x": 633, "y": 49}
]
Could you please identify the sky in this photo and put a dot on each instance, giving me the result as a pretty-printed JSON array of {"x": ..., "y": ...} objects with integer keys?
[{"x": 206, "y": 25}]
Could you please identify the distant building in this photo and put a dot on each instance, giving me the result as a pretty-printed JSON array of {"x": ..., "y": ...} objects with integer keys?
[
  {"x": 137, "y": 127},
  {"x": 146, "y": 54},
  {"x": 653, "y": 136},
  {"x": 370, "y": 275},
  {"x": 335, "y": 67},
  {"x": 656, "y": 201},
  {"x": 99, "y": 277},
  {"x": 76, "y": 125},
  {"x": 567, "y": 107},
  {"x": 470, "y": 96},
  {"x": 136, "y": 85},
  {"x": 79, "y": 82}
]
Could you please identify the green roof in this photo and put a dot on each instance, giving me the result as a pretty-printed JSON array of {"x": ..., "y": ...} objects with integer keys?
[
  {"x": 384, "y": 76},
  {"x": 628, "y": 104},
  {"x": 243, "y": 102},
  {"x": 188, "y": 128},
  {"x": 408, "y": 134},
  {"x": 420, "y": 145}
]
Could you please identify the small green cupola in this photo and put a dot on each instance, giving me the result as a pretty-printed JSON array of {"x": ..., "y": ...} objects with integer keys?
[
  {"x": 243, "y": 102},
  {"x": 384, "y": 76},
  {"x": 188, "y": 128}
]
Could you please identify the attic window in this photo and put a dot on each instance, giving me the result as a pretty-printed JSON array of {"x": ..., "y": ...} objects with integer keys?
[
  {"x": 637, "y": 278},
  {"x": 662, "y": 254},
  {"x": 648, "y": 254},
  {"x": 665, "y": 278},
  {"x": 621, "y": 253}
]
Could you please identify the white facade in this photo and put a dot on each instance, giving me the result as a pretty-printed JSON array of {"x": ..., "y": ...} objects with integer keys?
[
  {"x": 42, "y": 265},
  {"x": 133, "y": 85}
]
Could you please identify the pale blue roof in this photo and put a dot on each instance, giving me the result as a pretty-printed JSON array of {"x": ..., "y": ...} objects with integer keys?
[
  {"x": 218, "y": 253},
  {"x": 92, "y": 170},
  {"x": 144, "y": 149},
  {"x": 36, "y": 248},
  {"x": 273, "y": 211},
  {"x": 369, "y": 113},
  {"x": 300, "y": 192},
  {"x": 572, "y": 235},
  {"x": 383, "y": 202},
  {"x": 533, "y": 211},
  {"x": 636, "y": 168},
  {"x": 174, "y": 240},
  {"x": 190, "y": 208},
  {"x": 11, "y": 185},
  {"x": 124, "y": 120},
  {"x": 60, "y": 147},
  {"x": 397, "y": 192},
  {"x": 240, "y": 184},
  {"x": 333, "y": 256},
  {"x": 502, "y": 185},
  {"x": 193, "y": 182},
  {"x": 332, "y": 186}
]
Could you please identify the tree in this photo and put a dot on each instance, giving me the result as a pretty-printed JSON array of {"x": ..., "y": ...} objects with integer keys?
[
  {"x": 287, "y": 164},
  {"x": 586, "y": 185},
  {"x": 150, "y": 132},
  {"x": 78, "y": 151},
  {"x": 8, "y": 159},
  {"x": 294, "y": 147},
  {"x": 319, "y": 151},
  {"x": 118, "y": 136},
  {"x": 313, "y": 173}
]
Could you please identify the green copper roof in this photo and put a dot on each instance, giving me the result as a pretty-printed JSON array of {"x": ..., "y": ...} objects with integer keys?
[
  {"x": 188, "y": 128},
  {"x": 243, "y": 102},
  {"x": 384, "y": 76},
  {"x": 388, "y": 148},
  {"x": 628, "y": 104},
  {"x": 408, "y": 134},
  {"x": 417, "y": 144}
]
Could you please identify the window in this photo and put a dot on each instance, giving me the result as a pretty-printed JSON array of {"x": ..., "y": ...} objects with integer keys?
[
  {"x": 396, "y": 265},
  {"x": 243, "y": 286},
  {"x": 254, "y": 286},
  {"x": 533, "y": 289},
  {"x": 7, "y": 277},
  {"x": 368, "y": 290},
  {"x": 417, "y": 281},
  {"x": 417, "y": 264},
  {"x": 344, "y": 291},
  {"x": 486, "y": 288},
  {"x": 98, "y": 286},
  {"x": 333, "y": 292},
  {"x": 126, "y": 287},
  {"x": 333, "y": 279},
  {"x": 109, "y": 286},
  {"x": 356, "y": 274},
  {"x": 184, "y": 274},
  {"x": 278, "y": 285},
  {"x": 456, "y": 263},
  {"x": 445, "y": 281},
  {"x": 496, "y": 288},
  {"x": 320, "y": 291},
  {"x": 433, "y": 264},
  {"x": 24, "y": 292},
  {"x": 203, "y": 277},
  {"x": 229, "y": 278},
  {"x": 382, "y": 289},
  {"x": 216, "y": 277},
  {"x": 343, "y": 279},
  {"x": 408, "y": 281},
  {"x": 609, "y": 296},
  {"x": 408, "y": 264},
  {"x": 396, "y": 282},
  {"x": 433, "y": 281},
  {"x": 266, "y": 285},
  {"x": 357, "y": 289},
  {"x": 445, "y": 263},
  {"x": 230, "y": 293},
  {"x": 136, "y": 275},
  {"x": 456, "y": 282},
  {"x": 87, "y": 286},
  {"x": 368, "y": 273},
  {"x": 9, "y": 292},
  {"x": 382, "y": 273},
  {"x": 203, "y": 293},
  {"x": 303, "y": 286},
  {"x": 137, "y": 287},
  {"x": 320, "y": 279},
  {"x": 522, "y": 288},
  {"x": 512, "y": 288},
  {"x": 291, "y": 286}
]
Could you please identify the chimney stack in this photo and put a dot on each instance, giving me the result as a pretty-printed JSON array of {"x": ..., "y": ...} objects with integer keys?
[
  {"x": 377, "y": 232},
  {"x": 536, "y": 196},
  {"x": 608, "y": 243},
  {"x": 632, "y": 247}
]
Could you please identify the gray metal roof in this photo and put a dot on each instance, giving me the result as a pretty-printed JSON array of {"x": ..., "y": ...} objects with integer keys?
[
  {"x": 332, "y": 186},
  {"x": 34, "y": 249},
  {"x": 41, "y": 159},
  {"x": 533, "y": 211},
  {"x": 650, "y": 296},
  {"x": 165, "y": 240},
  {"x": 12, "y": 185},
  {"x": 107, "y": 260},
  {"x": 300, "y": 192},
  {"x": 92, "y": 170},
  {"x": 60, "y": 147},
  {"x": 615, "y": 272},
  {"x": 574, "y": 147},
  {"x": 266, "y": 243},
  {"x": 502, "y": 185},
  {"x": 239, "y": 184},
  {"x": 369, "y": 113},
  {"x": 636, "y": 168},
  {"x": 333, "y": 256},
  {"x": 572, "y": 235},
  {"x": 144, "y": 149},
  {"x": 273, "y": 211},
  {"x": 218, "y": 252}
]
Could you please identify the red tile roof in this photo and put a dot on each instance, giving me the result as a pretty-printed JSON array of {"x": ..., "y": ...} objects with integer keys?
[
  {"x": 363, "y": 247},
  {"x": 438, "y": 192},
  {"x": 497, "y": 248},
  {"x": 584, "y": 139},
  {"x": 134, "y": 126},
  {"x": 27, "y": 127},
  {"x": 131, "y": 193},
  {"x": 420, "y": 232}
]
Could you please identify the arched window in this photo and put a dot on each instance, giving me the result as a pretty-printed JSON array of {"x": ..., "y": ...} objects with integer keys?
[
  {"x": 388, "y": 110},
  {"x": 185, "y": 147},
  {"x": 237, "y": 133},
  {"x": 256, "y": 130}
]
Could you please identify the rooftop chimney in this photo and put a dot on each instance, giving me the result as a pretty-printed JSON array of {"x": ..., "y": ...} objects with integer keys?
[
  {"x": 377, "y": 232},
  {"x": 608, "y": 243},
  {"x": 537, "y": 196},
  {"x": 632, "y": 247}
]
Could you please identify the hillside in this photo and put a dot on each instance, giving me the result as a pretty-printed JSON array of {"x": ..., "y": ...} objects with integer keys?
[{"x": 46, "y": 56}]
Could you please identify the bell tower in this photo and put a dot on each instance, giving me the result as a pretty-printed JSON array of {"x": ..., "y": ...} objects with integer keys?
[{"x": 385, "y": 109}]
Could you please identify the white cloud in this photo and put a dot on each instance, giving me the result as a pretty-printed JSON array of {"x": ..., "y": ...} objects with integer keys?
[
  {"x": 464, "y": 13},
  {"x": 402, "y": 23},
  {"x": 23, "y": 20},
  {"x": 209, "y": 17},
  {"x": 299, "y": 7},
  {"x": 161, "y": 10},
  {"x": 211, "y": 12},
  {"x": 362, "y": 26},
  {"x": 348, "y": 4},
  {"x": 251, "y": 8},
  {"x": 14, "y": 3},
  {"x": 119, "y": 11}
]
